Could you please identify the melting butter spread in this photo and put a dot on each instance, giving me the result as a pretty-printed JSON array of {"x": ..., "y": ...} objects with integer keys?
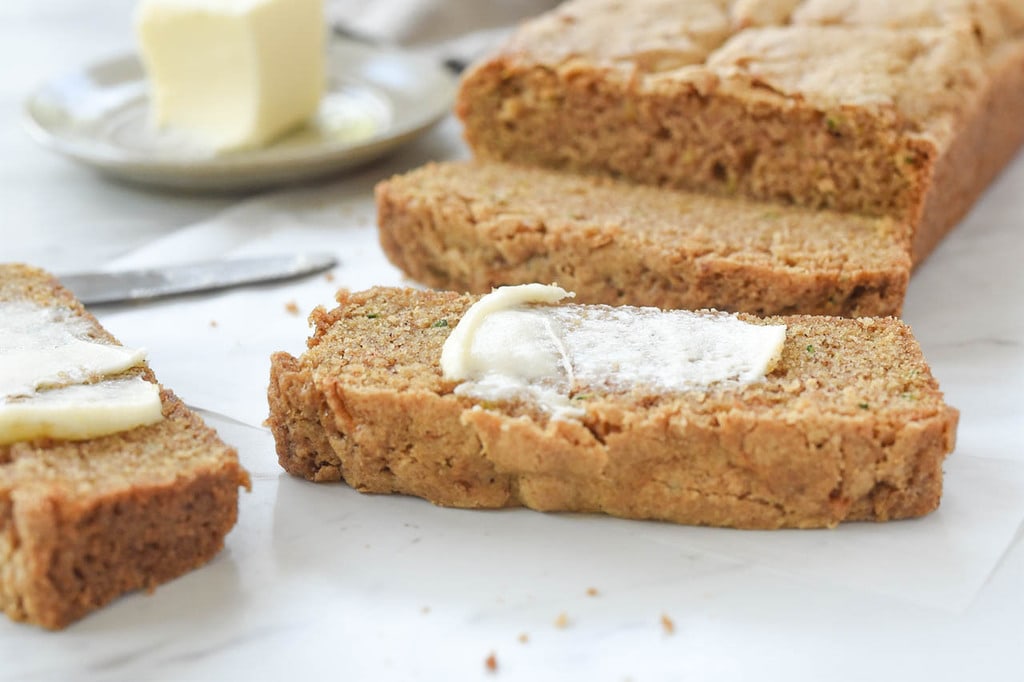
[
  {"x": 515, "y": 344},
  {"x": 53, "y": 378}
]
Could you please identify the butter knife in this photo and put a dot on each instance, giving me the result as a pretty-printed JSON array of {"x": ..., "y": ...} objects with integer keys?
[{"x": 93, "y": 288}]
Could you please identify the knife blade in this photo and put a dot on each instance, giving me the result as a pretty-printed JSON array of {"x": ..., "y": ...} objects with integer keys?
[{"x": 94, "y": 288}]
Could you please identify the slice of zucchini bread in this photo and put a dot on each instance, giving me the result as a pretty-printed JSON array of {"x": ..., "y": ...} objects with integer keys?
[
  {"x": 849, "y": 425},
  {"x": 83, "y": 519}
]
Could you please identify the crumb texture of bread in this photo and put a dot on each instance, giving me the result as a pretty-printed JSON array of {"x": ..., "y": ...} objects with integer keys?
[
  {"x": 850, "y": 426},
  {"x": 906, "y": 110},
  {"x": 471, "y": 226},
  {"x": 84, "y": 522}
]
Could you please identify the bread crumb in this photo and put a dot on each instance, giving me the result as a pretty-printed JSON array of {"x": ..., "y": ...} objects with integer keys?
[
  {"x": 425, "y": 610},
  {"x": 523, "y": 638},
  {"x": 213, "y": 323},
  {"x": 491, "y": 662},
  {"x": 667, "y": 625},
  {"x": 562, "y": 621},
  {"x": 592, "y": 592},
  {"x": 292, "y": 307},
  {"x": 329, "y": 276}
]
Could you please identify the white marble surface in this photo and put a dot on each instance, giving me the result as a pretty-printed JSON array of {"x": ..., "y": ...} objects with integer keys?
[{"x": 319, "y": 582}]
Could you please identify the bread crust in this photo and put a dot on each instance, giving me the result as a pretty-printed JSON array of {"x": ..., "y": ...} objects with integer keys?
[
  {"x": 850, "y": 426},
  {"x": 990, "y": 136},
  {"x": 83, "y": 522}
]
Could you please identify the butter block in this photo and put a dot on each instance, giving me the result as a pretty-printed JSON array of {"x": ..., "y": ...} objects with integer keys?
[{"x": 235, "y": 74}]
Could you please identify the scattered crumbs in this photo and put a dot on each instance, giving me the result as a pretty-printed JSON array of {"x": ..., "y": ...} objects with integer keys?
[
  {"x": 592, "y": 592},
  {"x": 213, "y": 323},
  {"x": 425, "y": 610},
  {"x": 491, "y": 663},
  {"x": 292, "y": 307},
  {"x": 523, "y": 638},
  {"x": 667, "y": 625},
  {"x": 329, "y": 277},
  {"x": 863, "y": 406},
  {"x": 440, "y": 323},
  {"x": 562, "y": 621}
]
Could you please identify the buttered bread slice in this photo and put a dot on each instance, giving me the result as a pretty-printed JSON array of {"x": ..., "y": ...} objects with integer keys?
[
  {"x": 108, "y": 482},
  {"x": 534, "y": 400}
]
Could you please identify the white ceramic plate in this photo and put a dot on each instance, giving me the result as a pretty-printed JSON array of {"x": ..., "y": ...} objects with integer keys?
[{"x": 376, "y": 100}]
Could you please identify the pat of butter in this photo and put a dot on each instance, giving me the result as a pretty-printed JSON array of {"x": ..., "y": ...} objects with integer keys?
[
  {"x": 51, "y": 378},
  {"x": 506, "y": 348},
  {"x": 81, "y": 411},
  {"x": 234, "y": 73}
]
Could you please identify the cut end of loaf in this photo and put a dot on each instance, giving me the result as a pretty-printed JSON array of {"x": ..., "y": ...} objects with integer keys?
[{"x": 905, "y": 110}]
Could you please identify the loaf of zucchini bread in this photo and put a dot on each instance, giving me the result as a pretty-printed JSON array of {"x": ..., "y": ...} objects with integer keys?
[{"x": 906, "y": 110}]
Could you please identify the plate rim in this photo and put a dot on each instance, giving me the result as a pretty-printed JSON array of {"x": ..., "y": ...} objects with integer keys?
[{"x": 251, "y": 167}]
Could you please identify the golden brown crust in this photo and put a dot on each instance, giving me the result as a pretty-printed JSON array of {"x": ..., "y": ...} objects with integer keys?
[
  {"x": 473, "y": 226},
  {"x": 850, "y": 426},
  {"x": 988, "y": 139},
  {"x": 84, "y": 522}
]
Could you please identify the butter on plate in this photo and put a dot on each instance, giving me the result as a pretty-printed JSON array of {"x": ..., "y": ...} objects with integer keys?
[{"x": 236, "y": 74}]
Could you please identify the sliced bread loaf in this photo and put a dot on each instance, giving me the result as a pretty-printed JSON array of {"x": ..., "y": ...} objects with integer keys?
[{"x": 898, "y": 109}]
